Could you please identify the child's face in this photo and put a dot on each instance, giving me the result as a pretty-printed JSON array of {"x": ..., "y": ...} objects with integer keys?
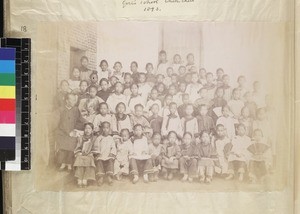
[
  {"x": 226, "y": 80},
  {"x": 203, "y": 110},
  {"x": 134, "y": 90},
  {"x": 168, "y": 100},
  {"x": 172, "y": 90},
  {"x": 156, "y": 140},
  {"x": 93, "y": 92},
  {"x": 203, "y": 93},
  {"x": 154, "y": 94},
  {"x": 205, "y": 138},
  {"x": 142, "y": 78},
  {"x": 174, "y": 79},
  {"x": 138, "y": 111},
  {"x": 117, "y": 140},
  {"x": 121, "y": 109},
  {"x": 138, "y": 131},
  {"x": 155, "y": 109},
  {"x": 118, "y": 67},
  {"x": 225, "y": 112},
  {"x": 190, "y": 59},
  {"x": 193, "y": 69},
  {"x": 209, "y": 78},
  {"x": 182, "y": 70},
  {"x": 119, "y": 88},
  {"x": 187, "y": 139},
  {"x": 195, "y": 78},
  {"x": 160, "y": 78},
  {"x": 104, "y": 66},
  {"x": 172, "y": 138},
  {"x": 113, "y": 80},
  {"x": 94, "y": 78},
  {"x": 149, "y": 68},
  {"x": 189, "y": 110},
  {"x": 220, "y": 93},
  {"x": 133, "y": 67},
  {"x": 221, "y": 132},
  {"x": 127, "y": 79},
  {"x": 188, "y": 78},
  {"x": 125, "y": 135},
  {"x": 220, "y": 73},
  {"x": 163, "y": 57},
  {"x": 177, "y": 59},
  {"x": 104, "y": 85},
  {"x": 106, "y": 129},
  {"x": 65, "y": 86},
  {"x": 185, "y": 99},
  {"x": 241, "y": 81},
  {"x": 245, "y": 112},
  {"x": 160, "y": 88},
  {"x": 173, "y": 109},
  {"x": 202, "y": 73},
  {"x": 76, "y": 73},
  {"x": 88, "y": 130},
  {"x": 169, "y": 71},
  {"x": 84, "y": 63},
  {"x": 83, "y": 86},
  {"x": 241, "y": 131},
  {"x": 182, "y": 87},
  {"x": 103, "y": 110},
  {"x": 236, "y": 94}
]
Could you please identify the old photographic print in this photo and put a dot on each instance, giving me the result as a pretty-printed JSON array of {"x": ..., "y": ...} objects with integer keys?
[{"x": 160, "y": 106}]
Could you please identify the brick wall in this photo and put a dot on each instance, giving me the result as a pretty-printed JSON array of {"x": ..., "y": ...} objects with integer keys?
[{"x": 82, "y": 36}]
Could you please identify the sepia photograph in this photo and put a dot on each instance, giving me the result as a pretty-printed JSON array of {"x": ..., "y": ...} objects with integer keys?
[{"x": 161, "y": 106}]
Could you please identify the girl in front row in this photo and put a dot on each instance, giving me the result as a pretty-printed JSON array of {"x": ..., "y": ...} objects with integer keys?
[
  {"x": 84, "y": 161},
  {"x": 170, "y": 156}
]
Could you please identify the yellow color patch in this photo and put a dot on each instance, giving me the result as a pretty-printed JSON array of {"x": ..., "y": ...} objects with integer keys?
[{"x": 8, "y": 92}]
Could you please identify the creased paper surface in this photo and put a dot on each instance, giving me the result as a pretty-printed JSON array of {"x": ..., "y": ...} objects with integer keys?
[{"x": 29, "y": 194}]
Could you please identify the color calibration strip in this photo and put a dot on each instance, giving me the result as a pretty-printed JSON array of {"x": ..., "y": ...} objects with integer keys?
[
  {"x": 22, "y": 79},
  {"x": 7, "y": 104}
]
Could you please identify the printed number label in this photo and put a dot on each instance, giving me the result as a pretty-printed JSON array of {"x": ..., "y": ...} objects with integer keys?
[{"x": 24, "y": 28}]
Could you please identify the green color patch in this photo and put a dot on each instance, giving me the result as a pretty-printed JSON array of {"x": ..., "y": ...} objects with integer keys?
[{"x": 7, "y": 79}]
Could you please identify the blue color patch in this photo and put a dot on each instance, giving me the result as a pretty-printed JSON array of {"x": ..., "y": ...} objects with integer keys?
[
  {"x": 7, "y": 66},
  {"x": 7, "y": 53}
]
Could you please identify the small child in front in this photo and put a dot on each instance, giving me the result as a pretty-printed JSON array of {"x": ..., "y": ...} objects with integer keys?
[
  {"x": 189, "y": 159},
  {"x": 238, "y": 155},
  {"x": 105, "y": 152},
  {"x": 140, "y": 161},
  {"x": 84, "y": 162},
  {"x": 155, "y": 149}
]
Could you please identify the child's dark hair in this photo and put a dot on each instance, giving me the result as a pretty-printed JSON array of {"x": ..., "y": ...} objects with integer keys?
[
  {"x": 121, "y": 103},
  {"x": 188, "y": 133},
  {"x": 134, "y": 62},
  {"x": 84, "y": 58},
  {"x": 63, "y": 81},
  {"x": 82, "y": 82},
  {"x": 93, "y": 73},
  {"x": 220, "y": 125},
  {"x": 134, "y": 84},
  {"x": 138, "y": 105},
  {"x": 209, "y": 73},
  {"x": 137, "y": 125},
  {"x": 105, "y": 122},
  {"x": 104, "y": 80},
  {"x": 125, "y": 130},
  {"x": 220, "y": 69},
  {"x": 103, "y": 103},
  {"x": 162, "y": 52},
  {"x": 172, "y": 132},
  {"x": 103, "y": 61},
  {"x": 148, "y": 64},
  {"x": 89, "y": 124},
  {"x": 94, "y": 87},
  {"x": 117, "y": 63},
  {"x": 241, "y": 125},
  {"x": 204, "y": 132},
  {"x": 156, "y": 134}
]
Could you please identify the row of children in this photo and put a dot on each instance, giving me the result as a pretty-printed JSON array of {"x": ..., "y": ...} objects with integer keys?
[{"x": 118, "y": 155}]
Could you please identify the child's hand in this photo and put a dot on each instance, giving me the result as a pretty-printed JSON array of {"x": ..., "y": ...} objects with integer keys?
[
  {"x": 111, "y": 155},
  {"x": 172, "y": 159},
  {"x": 144, "y": 153},
  {"x": 78, "y": 154}
]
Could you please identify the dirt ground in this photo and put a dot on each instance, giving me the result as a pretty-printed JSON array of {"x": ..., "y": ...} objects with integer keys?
[{"x": 54, "y": 180}]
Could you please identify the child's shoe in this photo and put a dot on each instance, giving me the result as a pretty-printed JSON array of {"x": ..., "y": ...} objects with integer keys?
[
  {"x": 184, "y": 178},
  {"x": 100, "y": 181},
  {"x": 229, "y": 177},
  {"x": 201, "y": 179},
  {"x": 146, "y": 180},
  {"x": 69, "y": 167},
  {"x": 79, "y": 183},
  {"x": 119, "y": 176},
  {"x": 135, "y": 179},
  {"x": 190, "y": 180},
  {"x": 110, "y": 180},
  {"x": 84, "y": 183},
  {"x": 208, "y": 180},
  {"x": 155, "y": 177},
  {"x": 170, "y": 176},
  {"x": 241, "y": 177},
  {"x": 62, "y": 167}
]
